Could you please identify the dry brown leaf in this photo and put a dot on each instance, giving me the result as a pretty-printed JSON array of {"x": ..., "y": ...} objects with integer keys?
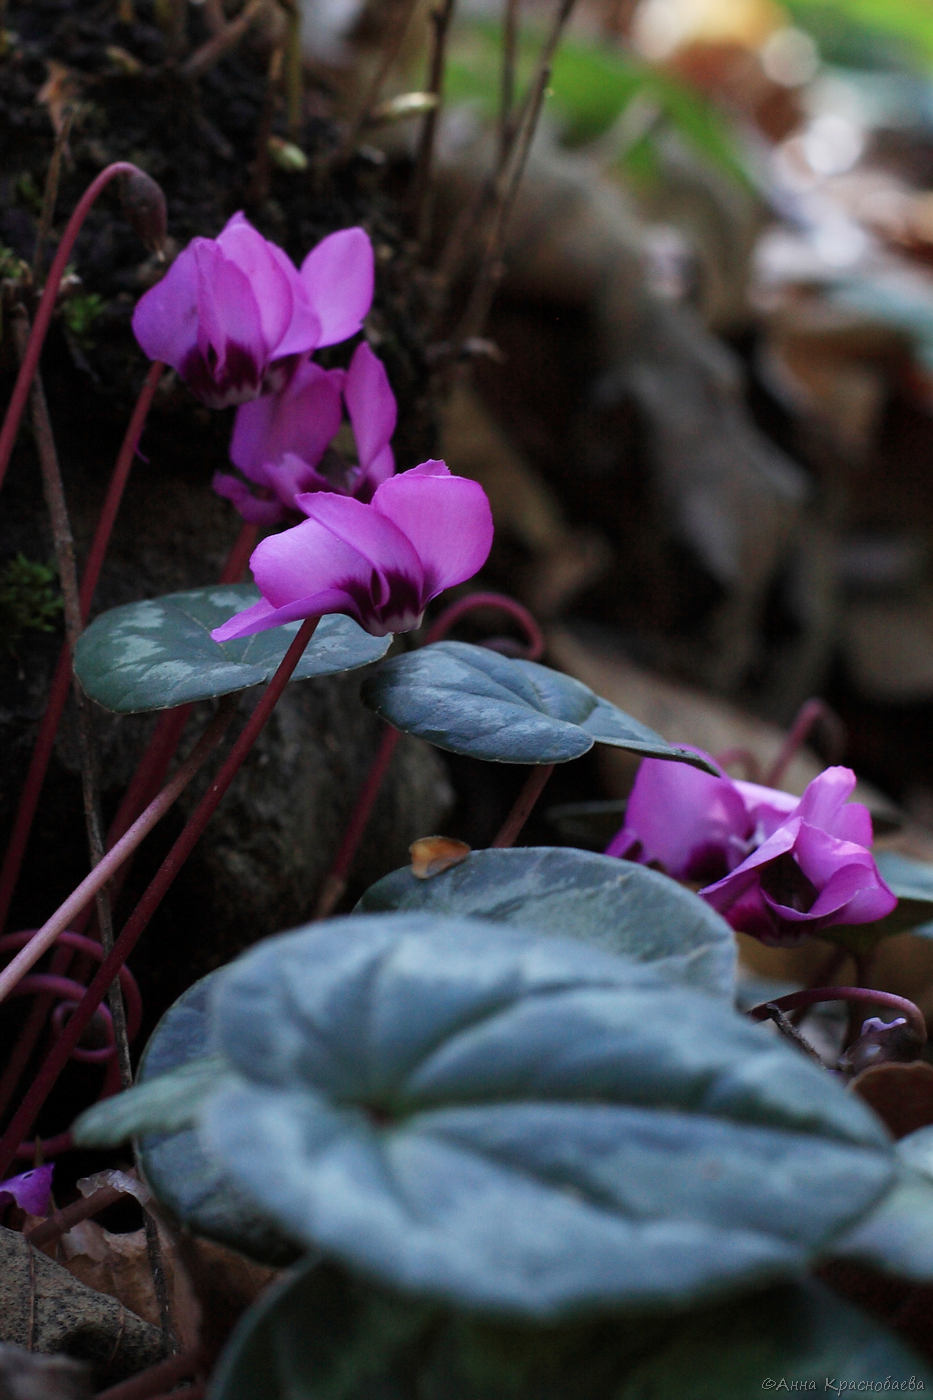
[
  {"x": 430, "y": 855},
  {"x": 901, "y": 1095},
  {"x": 58, "y": 93}
]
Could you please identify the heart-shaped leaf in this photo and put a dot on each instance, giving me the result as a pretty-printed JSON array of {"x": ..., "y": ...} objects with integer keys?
[
  {"x": 614, "y": 904},
  {"x": 194, "y": 1187},
  {"x": 525, "y": 1124},
  {"x": 473, "y": 701},
  {"x": 157, "y": 654},
  {"x": 896, "y": 1236}
]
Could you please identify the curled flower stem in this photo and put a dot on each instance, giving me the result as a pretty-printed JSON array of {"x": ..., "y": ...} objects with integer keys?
[
  {"x": 32, "y": 1103},
  {"x": 69, "y": 943},
  {"x": 40, "y": 328},
  {"x": 867, "y": 996},
  {"x": 524, "y": 805},
  {"x": 812, "y": 713},
  {"x": 534, "y": 639}
]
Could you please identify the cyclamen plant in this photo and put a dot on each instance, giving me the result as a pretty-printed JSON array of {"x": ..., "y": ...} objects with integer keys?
[{"x": 508, "y": 1114}]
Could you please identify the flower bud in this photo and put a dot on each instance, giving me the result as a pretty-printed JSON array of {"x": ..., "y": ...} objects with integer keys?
[{"x": 144, "y": 207}]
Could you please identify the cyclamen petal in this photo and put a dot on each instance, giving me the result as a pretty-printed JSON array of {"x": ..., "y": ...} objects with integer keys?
[
  {"x": 447, "y": 518},
  {"x": 232, "y": 313},
  {"x": 31, "y": 1190},
  {"x": 372, "y": 409},
  {"x": 355, "y": 558},
  {"x": 338, "y": 278}
]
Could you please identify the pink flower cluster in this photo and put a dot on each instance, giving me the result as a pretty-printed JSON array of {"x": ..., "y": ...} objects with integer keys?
[
  {"x": 239, "y": 322},
  {"x": 774, "y": 865}
]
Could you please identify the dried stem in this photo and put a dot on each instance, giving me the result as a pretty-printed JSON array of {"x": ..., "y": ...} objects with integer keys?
[
  {"x": 40, "y": 328},
  {"x": 50, "y": 193},
  {"x": 61, "y": 1221},
  {"x": 422, "y": 210},
  {"x": 33, "y": 1101},
  {"x": 214, "y": 48},
  {"x": 507, "y": 92},
  {"x": 389, "y": 54},
  {"x": 523, "y": 807}
]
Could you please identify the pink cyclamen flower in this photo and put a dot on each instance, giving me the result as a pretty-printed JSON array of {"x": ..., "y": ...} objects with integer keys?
[
  {"x": 282, "y": 442},
  {"x": 814, "y": 871},
  {"x": 692, "y": 824},
  {"x": 31, "y": 1190},
  {"x": 777, "y": 866},
  {"x": 232, "y": 313},
  {"x": 380, "y": 563}
]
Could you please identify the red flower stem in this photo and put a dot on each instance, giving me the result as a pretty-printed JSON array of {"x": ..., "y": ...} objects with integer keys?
[
  {"x": 26, "y": 1041},
  {"x": 25, "y": 1116},
  {"x": 523, "y": 806},
  {"x": 810, "y": 714},
  {"x": 44, "y": 937},
  {"x": 58, "y": 693},
  {"x": 868, "y": 996},
  {"x": 40, "y": 328},
  {"x": 238, "y": 558},
  {"x": 149, "y": 1384},
  {"x": 165, "y": 738},
  {"x": 451, "y": 615},
  {"x": 336, "y": 881}
]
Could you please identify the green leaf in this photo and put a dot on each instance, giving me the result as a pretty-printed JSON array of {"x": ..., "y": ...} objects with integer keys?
[
  {"x": 473, "y": 701},
  {"x": 193, "y": 1186},
  {"x": 317, "y": 1335},
  {"x": 591, "y": 85},
  {"x": 896, "y": 1237},
  {"x": 613, "y": 904},
  {"x": 909, "y": 21},
  {"x": 165, "y": 1105},
  {"x": 801, "y": 1335},
  {"x": 525, "y": 1125},
  {"x": 157, "y": 654}
]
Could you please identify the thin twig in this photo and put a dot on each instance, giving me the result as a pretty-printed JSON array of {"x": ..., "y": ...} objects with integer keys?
[
  {"x": 490, "y": 271},
  {"x": 422, "y": 210},
  {"x": 214, "y": 48},
  {"x": 389, "y": 54},
  {"x": 50, "y": 193},
  {"x": 507, "y": 91}
]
